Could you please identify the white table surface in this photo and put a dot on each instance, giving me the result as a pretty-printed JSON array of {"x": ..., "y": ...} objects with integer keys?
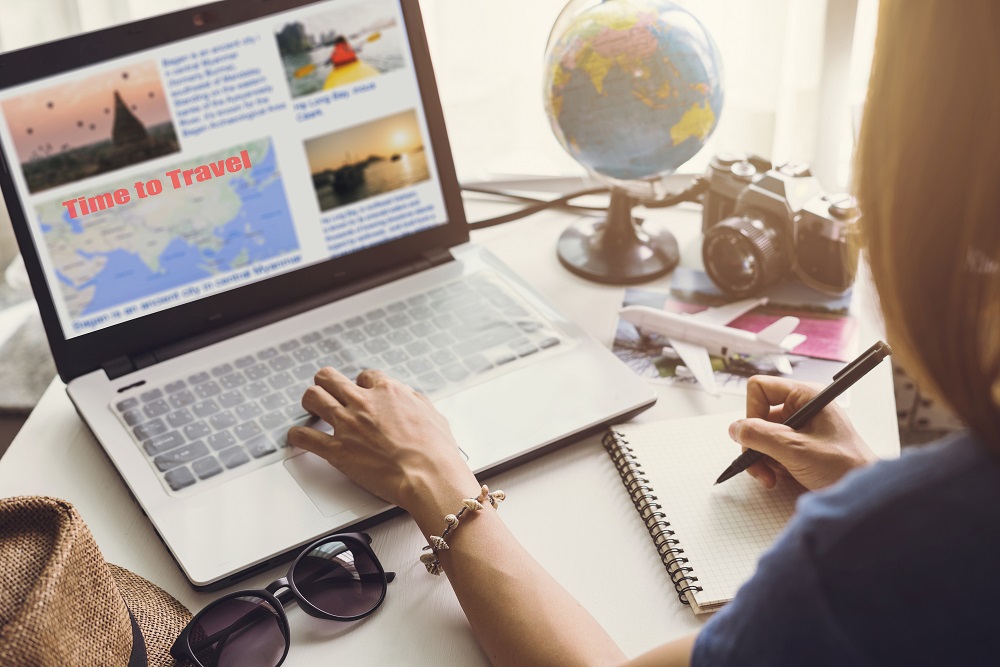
[{"x": 594, "y": 544}]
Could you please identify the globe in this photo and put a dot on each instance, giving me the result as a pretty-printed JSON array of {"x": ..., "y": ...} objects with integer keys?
[{"x": 632, "y": 89}]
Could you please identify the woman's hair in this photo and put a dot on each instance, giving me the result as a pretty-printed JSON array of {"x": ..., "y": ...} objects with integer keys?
[{"x": 928, "y": 182}]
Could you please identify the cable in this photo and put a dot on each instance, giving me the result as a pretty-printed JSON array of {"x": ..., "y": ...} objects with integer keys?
[
  {"x": 698, "y": 186},
  {"x": 535, "y": 208}
]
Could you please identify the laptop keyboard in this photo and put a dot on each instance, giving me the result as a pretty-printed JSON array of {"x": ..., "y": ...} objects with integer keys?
[{"x": 233, "y": 417}]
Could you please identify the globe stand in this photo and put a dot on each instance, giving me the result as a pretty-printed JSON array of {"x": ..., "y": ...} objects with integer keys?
[{"x": 617, "y": 251}]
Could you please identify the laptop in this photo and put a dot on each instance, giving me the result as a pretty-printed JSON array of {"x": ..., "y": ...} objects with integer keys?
[{"x": 215, "y": 203}]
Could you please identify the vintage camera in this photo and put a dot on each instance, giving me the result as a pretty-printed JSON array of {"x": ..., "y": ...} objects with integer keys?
[{"x": 762, "y": 224}]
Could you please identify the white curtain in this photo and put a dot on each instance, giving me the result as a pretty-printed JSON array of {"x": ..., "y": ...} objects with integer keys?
[{"x": 795, "y": 74}]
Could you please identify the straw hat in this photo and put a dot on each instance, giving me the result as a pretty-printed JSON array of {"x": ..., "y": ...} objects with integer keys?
[{"x": 62, "y": 604}]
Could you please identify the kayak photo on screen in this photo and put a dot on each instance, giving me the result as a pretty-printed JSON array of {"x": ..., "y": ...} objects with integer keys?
[
  {"x": 91, "y": 126},
  {"x": 367, "y": 160},
  {"x": 341, "y": 47}
]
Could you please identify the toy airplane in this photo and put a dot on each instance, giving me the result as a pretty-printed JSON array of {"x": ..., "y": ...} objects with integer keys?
[{"x": 695, "y": 337}]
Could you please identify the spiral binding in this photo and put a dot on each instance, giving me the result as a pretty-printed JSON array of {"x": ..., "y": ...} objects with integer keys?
[{"x": 681, "y": 574}]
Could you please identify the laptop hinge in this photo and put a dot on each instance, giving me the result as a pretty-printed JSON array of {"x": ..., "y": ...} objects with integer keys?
[
  {"x": 117, "y": 367},
  {"x": 437, "y": 256}
]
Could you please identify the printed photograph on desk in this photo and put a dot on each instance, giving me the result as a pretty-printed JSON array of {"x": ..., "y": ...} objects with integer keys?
[
  {"x": 347, "y": 45},
  {"x": 91, "y": 126},
  {"x": 788, "y": 332},
  {"x": 367, "y": 160}
]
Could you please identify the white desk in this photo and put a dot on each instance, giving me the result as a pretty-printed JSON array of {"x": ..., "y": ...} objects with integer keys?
[{"x": 596, "y": 546}]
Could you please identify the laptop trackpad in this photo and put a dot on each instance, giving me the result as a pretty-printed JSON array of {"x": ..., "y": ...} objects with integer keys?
[{"x": 330, "y": 491}]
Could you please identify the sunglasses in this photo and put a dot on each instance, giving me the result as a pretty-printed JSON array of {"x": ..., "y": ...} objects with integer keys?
[{"x": 337, "y": 578}]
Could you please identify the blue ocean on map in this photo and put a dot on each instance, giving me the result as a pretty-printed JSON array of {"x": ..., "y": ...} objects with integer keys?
[{"x": 262, "y": 230}]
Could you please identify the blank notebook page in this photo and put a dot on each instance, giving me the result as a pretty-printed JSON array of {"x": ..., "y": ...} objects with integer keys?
[{"x": 723, "y": 529}]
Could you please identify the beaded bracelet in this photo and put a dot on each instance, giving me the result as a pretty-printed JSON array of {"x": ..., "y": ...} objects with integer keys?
[{"x": 437, "y": 542}]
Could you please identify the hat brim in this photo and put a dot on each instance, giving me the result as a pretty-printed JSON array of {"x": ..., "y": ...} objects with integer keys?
[{"x": 159, "y": 615}]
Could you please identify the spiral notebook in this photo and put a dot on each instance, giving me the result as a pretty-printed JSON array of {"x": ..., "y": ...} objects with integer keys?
[{"x": 709, "y": 537}]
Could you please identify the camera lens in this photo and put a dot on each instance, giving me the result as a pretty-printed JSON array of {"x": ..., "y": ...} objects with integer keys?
[{"x": 744, "y": 254}]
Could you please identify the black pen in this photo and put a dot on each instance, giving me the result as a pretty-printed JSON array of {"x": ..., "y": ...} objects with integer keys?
[{"x": 850, "y": 374}]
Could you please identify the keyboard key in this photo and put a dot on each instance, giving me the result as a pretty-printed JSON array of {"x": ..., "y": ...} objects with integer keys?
[
  {"x": 354, "y": 322},
  {"x": 530, "y": 326},
  {"x": 352, "y": 354},
  {"x": 421, "y": 312},
  {"x": 282, "y": 363},
  {"x": 446, "y": 321},
  {"x": 455, "y": 372},
  {"x": 491, "y": 338},
  {"x": 273, "y": 402},
  {"x": 179, "y": 418},
  {"x": 230, "y": 399},
  {"x": 179, "y": 478},
  {"x": 260, "y": 446},
  {"x": 377, "y": 346},
  {"x": 304, "y": 354},
  {"x": 222, "y": 420},
  {"x": 181, "y": 398},
  {"x": 441, "y": 339},
  {"x": 295, "y": 411},
  {"x": 394, "y": 357},
  {"x": 258, "y": 372},
  {"x": 311, "y": 338},
  {"x": 328, "y": 346},
  {"x": 273, "y": 420},
  {"x": 232, "y": 380},
  {"x": 504, "y": 358},
  {"x": 525, "y": 349},
  {"x": 333, "y": 329},
  {"x": 207, "y": 389},
  {"x": 401, "y": 337},
  {"x": 206, "y": 467},
  {"x": 305, "y": 372},
  {"x": 422, "y": 329},
  {"x": 198, "y": 378},
  {"x": 133, "y": 417},
  {"x": 174, "y": 387},
  {"x": 224, "y": 369},
  {"x": 417, "y": 298},
  {"x": 399, "y": 320},
  {"x": 281, "y": 380},
  {"x": 221, "y": 440},
  {"x": 478, "y": 363},
  {"x": 151, "y": 395},
  {"x": 350, "y": 371},
  {"x": 244, "y": 362},
  {"x": 246, "y": 430},
  {"x": 270, "y": 352},
  {"x": 181, "y": 456},
  {"x": 430, "y": 382},
  {"x": 150, "y": 429},
  {"x": 289, "y": 345},
  {"x": 156, "y": 408},
  {"x": 354, "y": 336},
  {"x": 417, "y": 348},
  {"x": 294, "y": 393},
  {"x": 127, "y": 404},
  {"x": 549, "y": 342},
  {"x": 396, "y": 307},
  {"x": 442, "y": 357},
  {"x": 376, "y": 329},
  {"x": 247, "y": 411},
  {"x": 233, "y": 457},
  {"x": 205, "y": 408},
  {"x": 196, "y": 431},
  {"x": 163, "y": 443},
  {"x": 399, "y": 372},
  {"x": 420, "y": 366},
  {"x": 256, "y": 390}
]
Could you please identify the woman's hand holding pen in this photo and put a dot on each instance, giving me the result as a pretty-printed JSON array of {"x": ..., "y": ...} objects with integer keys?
[{"x": 817, "y": 456}]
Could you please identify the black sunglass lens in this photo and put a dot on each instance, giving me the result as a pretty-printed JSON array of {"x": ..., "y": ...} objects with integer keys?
[
  {"x": 339, "y": 580},
  {"x": 239, "y": 632}
]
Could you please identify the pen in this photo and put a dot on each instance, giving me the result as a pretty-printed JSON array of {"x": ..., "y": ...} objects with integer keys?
[{"x": 850, "y": 374}]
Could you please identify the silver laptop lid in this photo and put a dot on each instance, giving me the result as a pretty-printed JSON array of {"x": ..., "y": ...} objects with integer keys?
[{"x": 177, "y": 175}]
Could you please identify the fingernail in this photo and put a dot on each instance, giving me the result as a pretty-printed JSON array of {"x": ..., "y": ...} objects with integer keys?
[{"x": 734, "y": 430}]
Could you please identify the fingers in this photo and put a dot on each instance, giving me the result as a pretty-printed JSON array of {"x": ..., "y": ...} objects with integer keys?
[
  {"x": 317, "y": 442},
  {"x": 319, "y": 402},
  {"x": 762, "y": 436},
  {"x": 765, "y": 391},
  {"x": 763, "y": 474},
  {"x": 338, "y": 385},
  {"x": 370, "y": 377}
]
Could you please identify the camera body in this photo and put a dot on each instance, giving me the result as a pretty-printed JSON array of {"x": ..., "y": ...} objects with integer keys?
[{"x": 762, "y": 224}]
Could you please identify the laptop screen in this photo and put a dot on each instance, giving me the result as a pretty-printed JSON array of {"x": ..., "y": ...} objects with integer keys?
[{"x": 173, "y": 174}]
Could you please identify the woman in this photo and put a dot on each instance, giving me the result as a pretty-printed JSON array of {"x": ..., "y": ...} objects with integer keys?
[{"x": 892, "y": 563}]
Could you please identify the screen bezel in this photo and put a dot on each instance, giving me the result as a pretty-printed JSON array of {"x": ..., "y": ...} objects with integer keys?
[{"x": 86, "y": 353}]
